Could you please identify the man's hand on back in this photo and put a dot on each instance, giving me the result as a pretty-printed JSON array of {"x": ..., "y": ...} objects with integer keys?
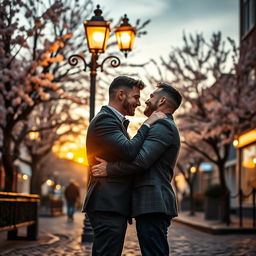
[{"x": 99, "y": 170}]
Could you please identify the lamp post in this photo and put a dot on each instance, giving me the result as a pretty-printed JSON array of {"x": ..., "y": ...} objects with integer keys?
[{"x": 97, "y": 32}]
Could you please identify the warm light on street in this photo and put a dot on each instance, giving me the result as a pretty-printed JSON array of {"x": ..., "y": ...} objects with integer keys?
[
  {"x": 70, "y": 155},
  {"x": 49, "y": 182},
  {"x": 33, "y": 135},
  {"x": 193, "y": 169},
  {"x": 58, "y": 187},
  {"x": 25, "y": 177},
  {"x": 235, "y": 143},
  {"x": 80, "y": 160}
]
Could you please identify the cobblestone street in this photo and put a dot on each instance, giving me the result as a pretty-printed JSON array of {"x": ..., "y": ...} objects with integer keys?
[{"x": 183, "y": 241}]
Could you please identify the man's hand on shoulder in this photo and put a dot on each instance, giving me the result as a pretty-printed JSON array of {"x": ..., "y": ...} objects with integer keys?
[{"x": 156, "y": 115}]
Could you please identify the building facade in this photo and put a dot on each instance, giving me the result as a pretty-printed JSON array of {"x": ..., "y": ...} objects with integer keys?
[{"x": 246, "y": 141}]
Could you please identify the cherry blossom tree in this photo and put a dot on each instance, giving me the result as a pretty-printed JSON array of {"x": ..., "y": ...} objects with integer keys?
[
  {"x": 25, "y": 82},
  {"x": 50, "y": 123},
  {"x": 218, "y": 98},
  {"x": 37, "y": 37}
]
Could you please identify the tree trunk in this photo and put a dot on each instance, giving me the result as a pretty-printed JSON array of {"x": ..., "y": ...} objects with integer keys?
[
  {"x": 191, "y": 196},
  {"x": 8, "y": 164},
  {"x": 226, "y": 194},
  {"x": 9, "y": 174},
  {"x": 35, "y": 182}
]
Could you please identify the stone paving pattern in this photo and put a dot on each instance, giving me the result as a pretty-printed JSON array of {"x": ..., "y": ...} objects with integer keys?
[{"x": 183, "y": 240}]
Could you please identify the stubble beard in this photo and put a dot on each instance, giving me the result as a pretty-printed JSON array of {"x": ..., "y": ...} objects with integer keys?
[
  {"x": 128, "y": 108},
  {"x": 150, "y": 109}
]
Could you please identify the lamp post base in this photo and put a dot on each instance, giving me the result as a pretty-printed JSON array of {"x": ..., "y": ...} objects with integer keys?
[{"x": 87, "y": 235}]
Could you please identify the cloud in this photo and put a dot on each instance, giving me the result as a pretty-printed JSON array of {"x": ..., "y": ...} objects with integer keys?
[{"x": 135, "y": 9}]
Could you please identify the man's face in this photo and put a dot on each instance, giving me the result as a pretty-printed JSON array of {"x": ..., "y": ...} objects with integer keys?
[
  {"x": 152, "y": 102},
  {"x": 131, "y": 101}
]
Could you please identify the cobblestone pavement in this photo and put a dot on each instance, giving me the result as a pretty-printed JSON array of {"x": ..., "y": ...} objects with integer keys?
[{"x": 183, "y": 241}]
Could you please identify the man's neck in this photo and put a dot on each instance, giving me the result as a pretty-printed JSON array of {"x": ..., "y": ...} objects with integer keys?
[
  {"x": 165, "y": 110},
  {"x": 116, "y": 107}
]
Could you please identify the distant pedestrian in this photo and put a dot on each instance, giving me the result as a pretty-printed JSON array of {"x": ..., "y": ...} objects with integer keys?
[{"x": 72, "y": 196}]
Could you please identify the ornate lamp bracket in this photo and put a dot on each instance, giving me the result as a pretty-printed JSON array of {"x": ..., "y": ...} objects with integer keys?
[
  {"x": 115, "y": 62},
  {"x": 93, "y": 65},
  {"x": 74, "y": 59}
]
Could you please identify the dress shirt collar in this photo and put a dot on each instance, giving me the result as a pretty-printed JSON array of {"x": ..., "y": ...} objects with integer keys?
[{"x": 117, "y": 113}]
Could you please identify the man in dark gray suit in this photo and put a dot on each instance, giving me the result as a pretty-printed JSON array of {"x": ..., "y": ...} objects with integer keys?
[
  {"x": 108, "y": 200},
  {"x": 153, "y": 199}
]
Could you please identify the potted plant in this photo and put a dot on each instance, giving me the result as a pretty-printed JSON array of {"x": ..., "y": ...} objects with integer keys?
[{"x": 214, "y": 202}]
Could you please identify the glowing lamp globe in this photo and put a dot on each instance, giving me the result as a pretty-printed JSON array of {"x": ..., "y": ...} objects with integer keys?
[
  {"x": 125, "y": 35},
  {"x": 97, "y": 32}
]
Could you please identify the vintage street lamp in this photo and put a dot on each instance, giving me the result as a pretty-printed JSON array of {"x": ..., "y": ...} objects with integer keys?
[
  {"x": 97, "y": 32},
  {"x": 125, "y": 35}
]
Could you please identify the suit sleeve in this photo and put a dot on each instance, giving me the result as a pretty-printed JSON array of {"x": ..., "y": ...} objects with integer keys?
[
  {"x": 108, "y": 129},
  {"x": 158, "y": 140}
]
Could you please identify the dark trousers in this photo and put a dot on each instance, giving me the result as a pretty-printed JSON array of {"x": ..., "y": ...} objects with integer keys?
[
  {"x": 71, "y": 207},
  {"x": 109, "y": 233},
  {"x": 152, "y": 234}
]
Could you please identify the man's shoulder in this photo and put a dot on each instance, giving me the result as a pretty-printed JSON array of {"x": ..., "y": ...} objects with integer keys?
[
  {"x": 104, "y": 119},
  {"x": 103, "y": 115},
  {"x": 164, "y": 128},
  {"x": 166, "y": 122}
]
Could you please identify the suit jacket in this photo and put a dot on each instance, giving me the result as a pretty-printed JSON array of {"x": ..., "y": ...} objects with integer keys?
[
  {"x": 107, "y": 138},
  {"x": 154, "y": 164}
]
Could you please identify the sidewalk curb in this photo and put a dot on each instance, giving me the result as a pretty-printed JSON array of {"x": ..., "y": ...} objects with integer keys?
[
  {"x": 215, "y": 230},
  {"x": 32, "y": 244}
]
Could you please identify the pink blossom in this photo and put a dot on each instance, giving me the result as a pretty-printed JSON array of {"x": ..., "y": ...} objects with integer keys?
[{"x": 16, "y": 101}]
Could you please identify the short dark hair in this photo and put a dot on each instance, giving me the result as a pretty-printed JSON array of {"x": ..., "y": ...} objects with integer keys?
[
  {"x": 124, "y": 81},
  {"x": 173, "y": 95}
]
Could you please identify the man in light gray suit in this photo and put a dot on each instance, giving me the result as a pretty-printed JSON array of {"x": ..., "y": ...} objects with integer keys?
[
  {"x": 153, "y": 199},
  {"x": 108, "y": 200}
]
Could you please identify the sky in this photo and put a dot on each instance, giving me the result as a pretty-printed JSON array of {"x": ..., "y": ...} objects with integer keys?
[{"x": 170, "y": 18}]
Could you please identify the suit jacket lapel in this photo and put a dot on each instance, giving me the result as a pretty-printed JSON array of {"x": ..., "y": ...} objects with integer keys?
[
  {"x": 125, "y": 131},
  {"x": 108, "y": 110}
]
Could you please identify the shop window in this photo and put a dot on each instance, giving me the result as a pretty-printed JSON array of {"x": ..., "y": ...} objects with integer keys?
[{"x": 248, "y": 171}]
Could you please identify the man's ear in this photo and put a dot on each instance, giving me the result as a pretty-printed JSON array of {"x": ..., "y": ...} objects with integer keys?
[
  {"x": 121, "y": 95},
  {"x": 162, "y": 101}
]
